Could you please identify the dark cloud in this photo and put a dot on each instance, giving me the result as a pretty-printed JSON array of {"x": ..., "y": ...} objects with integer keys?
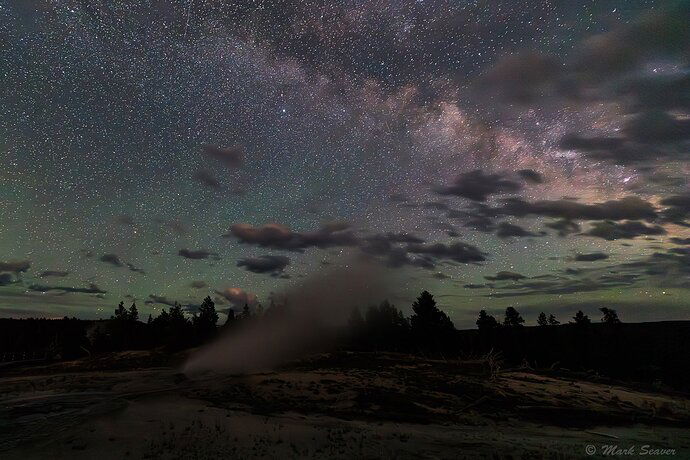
[
  {"x": 232, "y": 157},
  {"x": 529, "y": 77},
  {"x": 206, "y": 177},
  {"x": 198, "y": 284},
  {"x": 112, "y": 259},
  {"x": 115, "y": 261},
  {"x": 613, "y": 67},
  {"x": 655, "y": 34},
  {"x": 481, "y": 217},
  {"x": 610, "y": 230},
  {"x": 531, "y": 176},
  {"x": 505, "y": 275},
  {"x": 384, "y": 246},
  {"x": 507, "y": 230},
  {"x": 680, "y": 251},
  {"x": 387, "y": 247},
  {"x": 474, "y": 286},
  {"x": 457, "y": 251},
  {"x": 197, "y": 254},
  {"x": 566, "y": 286},
  {"x": 658, "y": 92},
  {"x": 657, "y": 127},
  {"x": 55, "y": 273},
  {"x": 92, "y": 289},
  {"x": 278, "y": 236},
  {"x": 155, "y": 299},
  {"x": 678, "y": 208},
  {"x": 265, "y": 264},
  {"x": 676, "y": 240},
  {"x": 135, "y": 269},
  {"x": 523, "y": 77},
  {"x": 632, "y": 207},
  {"x": 622, "y": 152},
  {"x": 6, "y": 279},
  {"x": 591, "y": 257},
  {"x": 159, "y": 299},
  {"x": 440, "y": 276},
  {"x": 15, "y": 266},
  {"x": 398, "y": 257},
  {"x": 564, "y": 227},
  {"x": 478, "y": 186},
  {"x": 645, "y": 137}
]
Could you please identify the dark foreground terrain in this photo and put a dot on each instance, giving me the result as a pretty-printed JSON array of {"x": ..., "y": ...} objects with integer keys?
[{"x": 340, "y": 405}]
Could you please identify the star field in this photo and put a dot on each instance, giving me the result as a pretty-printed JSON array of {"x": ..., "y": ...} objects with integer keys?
[{"x": 165, "y": 151}]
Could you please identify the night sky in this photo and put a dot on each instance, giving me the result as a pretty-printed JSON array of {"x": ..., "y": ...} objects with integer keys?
[{"x": 496, "y": 153}]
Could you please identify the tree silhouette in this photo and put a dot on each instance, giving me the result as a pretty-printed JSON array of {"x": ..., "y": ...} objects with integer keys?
[
  {"x": 230, "y": 319},
  {"x": 246, "y": 313},
  {"x": 430, "y": 325},
  {"x": 541, "y": 320},
  {"x": 513, "y": 318},
  {"x": 133, "y": 314},
  {"x": 176, "y": 314},
  {"x": 163, "y": 318},
  {"x": 553, "y": 321},
  {"x": 386, "y": 327},
  {"x": 486, "y": 322},
  {"x": 207, "y": 319},
  {"x": 123, "y": 332},
  {"x": 609, "y": 316},
  {"x": 580, "y": 318},
  {"x": 174, "y": 329},
  {"x": 120, "y": 312}
]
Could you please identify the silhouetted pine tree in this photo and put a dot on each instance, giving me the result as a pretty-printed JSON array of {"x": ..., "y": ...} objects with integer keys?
[
  {"x": 581, "y": 319},
  {"x": 541, "y": 320},
  {"x": 178, "y": 329},
  {"x": 386, "y": 328},
  {"x": 133, "y": 314},
  {"x": 553, "y": 321},
  {"x": 430, "y": 326},
  {"x": 609, "y": 316},
  {"x": 207, "y": 319},
  {"x": 120, "y": 312},
  {"x": 230, "y": 319},
  {"x": 513, "y": 318},
  {"x": 486, "y": 322},
  {"x": 176, "y": 313}
]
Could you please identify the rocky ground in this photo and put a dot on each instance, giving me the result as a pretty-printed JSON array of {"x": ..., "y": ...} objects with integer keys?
[{"x": 339, "y": 405}]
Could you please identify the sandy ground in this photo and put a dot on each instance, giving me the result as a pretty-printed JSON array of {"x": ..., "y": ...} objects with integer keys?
[{"x": 342, "y": 405}]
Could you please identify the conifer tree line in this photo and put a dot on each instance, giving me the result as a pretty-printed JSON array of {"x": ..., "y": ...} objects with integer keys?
[{"x": 378, "y": 327}]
